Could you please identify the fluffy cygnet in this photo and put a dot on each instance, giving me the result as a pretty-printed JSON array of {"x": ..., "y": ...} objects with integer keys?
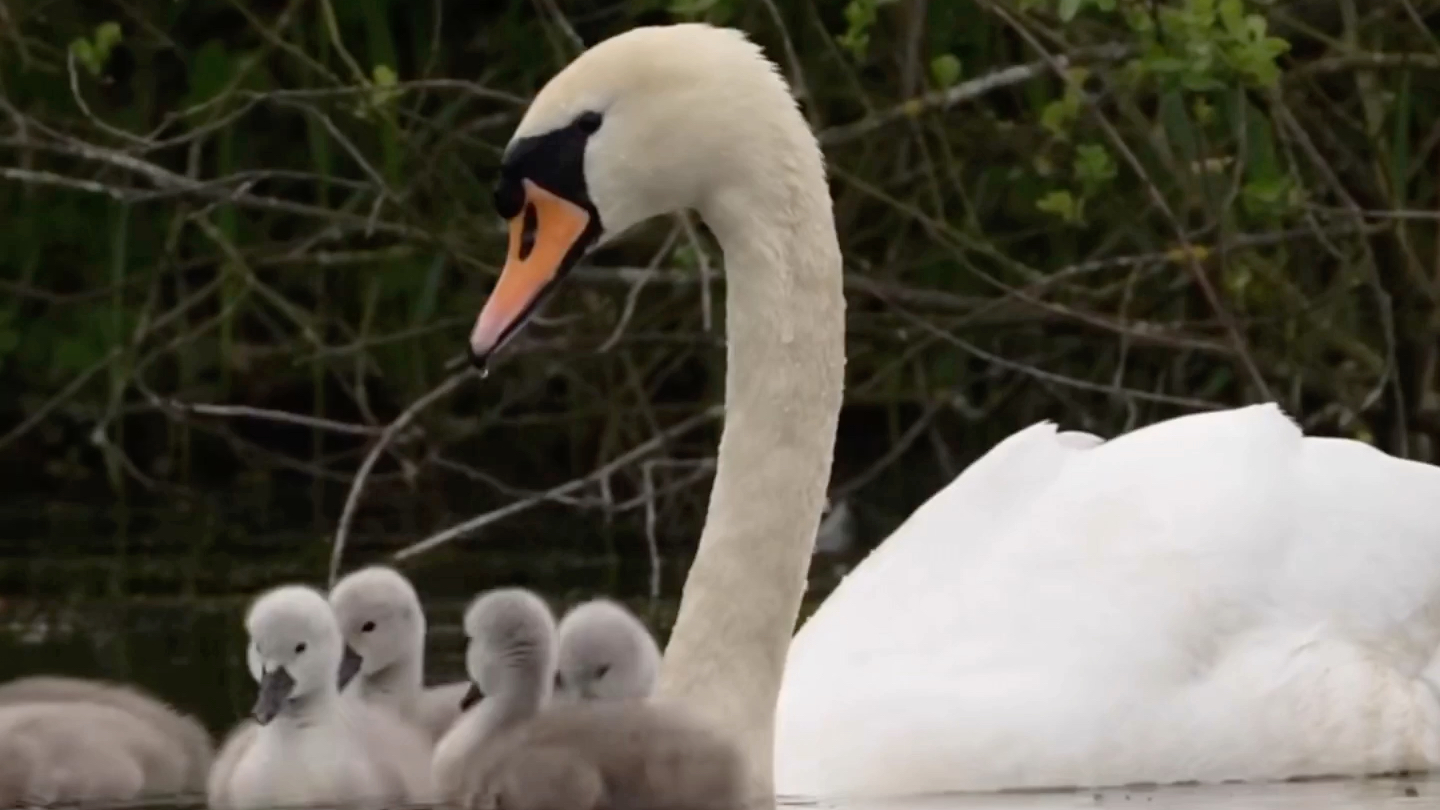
[
  {"x": 605, "y": 653},
  {"x": 510, "y": 750},
  {"x": 54, "y": 752},
  {"x": 307, "y": 746},
  {"x": 196, "y": 749},
  {"x": 383, "y": 625}
]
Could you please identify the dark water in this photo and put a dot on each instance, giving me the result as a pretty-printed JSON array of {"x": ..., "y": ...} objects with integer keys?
[{"x": 158, "y": 598}]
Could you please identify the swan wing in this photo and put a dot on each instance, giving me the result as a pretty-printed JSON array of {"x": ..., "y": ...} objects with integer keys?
[{"x": 1127, "y": 573}]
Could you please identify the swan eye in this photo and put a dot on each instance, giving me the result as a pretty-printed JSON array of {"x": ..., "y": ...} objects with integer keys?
[
  {"x": 589, "y": 121},
  {"x": 367, "y": 627},
  {"x": 601, "y": 670},
  {"x": 300, "y": 648}
]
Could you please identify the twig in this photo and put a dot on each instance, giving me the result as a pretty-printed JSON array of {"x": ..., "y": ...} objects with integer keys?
[
  {"x": 265, "y": 414},
  {"x": 481, "y": 521},
  {"x": 352, "y": 501},
  {"x": 964, "y": 91}
]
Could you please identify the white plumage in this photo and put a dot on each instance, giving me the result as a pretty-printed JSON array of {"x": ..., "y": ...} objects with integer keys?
[{"x": 1211, "y": 597}]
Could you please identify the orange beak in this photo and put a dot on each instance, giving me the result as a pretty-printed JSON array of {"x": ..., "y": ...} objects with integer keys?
[{"x": 531, "y": 265}]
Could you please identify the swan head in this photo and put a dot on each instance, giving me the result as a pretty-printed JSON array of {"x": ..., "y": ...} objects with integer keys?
[
  {"x": 510, "y": 647},
  {"x": 654, "y": 120},
  {"x": 294, "y": 650},
  {"x": 380, "y": 619},
  {"x": 605, "y": 653}
]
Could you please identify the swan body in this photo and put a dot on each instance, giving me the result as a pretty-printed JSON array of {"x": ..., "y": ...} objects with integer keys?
[
  {"x": 518, "y": 750},
  {"x": 604, "y": 652},
  {"x": 1213, "y": 597},
  {"x": 195, "y": 749},
  {"x": 383, "y": 624},
  {"x": 306, "y": 745}
]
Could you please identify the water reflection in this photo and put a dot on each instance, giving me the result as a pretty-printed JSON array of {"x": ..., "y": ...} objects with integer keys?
[{"x": 1322, "y": 794}]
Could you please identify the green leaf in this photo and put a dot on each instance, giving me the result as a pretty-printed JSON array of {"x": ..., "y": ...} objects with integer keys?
[
  {"x": 210, "y": 72},
  {"x": 1058, "y": 115},
  {"x": 384, "y": 91},
  {"x": 1232, "y": 16},
  {"x": 945, "y": 69},
  {"x": 1093, "y": 166},
  {"x": 107, "y": 36},
  {"x": 1061, "y": 203},
  {"x": 1069, "y": 8},
  {"x": 85, "y": 55}
]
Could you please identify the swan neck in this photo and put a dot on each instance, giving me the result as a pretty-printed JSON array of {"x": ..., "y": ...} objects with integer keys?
[{"x": 785, "y": 329}]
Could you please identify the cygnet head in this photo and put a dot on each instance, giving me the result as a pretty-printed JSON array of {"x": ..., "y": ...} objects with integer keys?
[
  {"x": 655, "y": 120},
  {"x": 294, "y": 648},
  {"x": 380, "y": 619},
  {"x": 605, "y": 653},
  {"x": 511, "y": 646}
]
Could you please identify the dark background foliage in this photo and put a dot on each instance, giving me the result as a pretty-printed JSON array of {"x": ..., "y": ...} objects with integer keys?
[{"x": 244, "y": 240}]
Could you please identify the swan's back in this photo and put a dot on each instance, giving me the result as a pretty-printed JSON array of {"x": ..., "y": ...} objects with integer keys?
[
  {"x": 607, "y": 755},
  {"x": 1369, "y": 558},
  {"x": 1132, "y": 572},
  {"x": 196, "y": 746},
  {"x": 959, "y": 523}
]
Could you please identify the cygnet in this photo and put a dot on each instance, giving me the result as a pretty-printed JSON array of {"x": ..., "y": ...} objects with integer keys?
[
  {"x": 605, "y": 653},
  {"x": 196, "y": 749},
  {"x": 60, "y": 752},
  {"x": 511, "y": 750},
  {"x": 306, "y": 745},
  {"x": 383, "y": 625}
]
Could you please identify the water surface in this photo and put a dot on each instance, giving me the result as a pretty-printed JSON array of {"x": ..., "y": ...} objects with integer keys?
[{"x": 161, "y": 606}]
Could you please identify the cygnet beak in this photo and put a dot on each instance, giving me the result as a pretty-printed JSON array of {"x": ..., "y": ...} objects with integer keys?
[{"x": 275, "y": 688}]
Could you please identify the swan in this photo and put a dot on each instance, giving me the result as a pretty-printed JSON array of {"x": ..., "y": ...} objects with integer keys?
[
  {"x": 196, "y": 748},
  {"x": 67, "y": 751},
  {"x": 661, "y": 119},
  {"x": 306, "y": 745},
  {"x": 604, "y": 652},
  {"x": 515, "y": 749},
  {"x": 1211, "y": 597},
  {"x": 383, "y": 624}
]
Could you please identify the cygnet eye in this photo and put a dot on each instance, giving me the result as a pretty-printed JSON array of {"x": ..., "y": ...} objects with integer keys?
[
  {"x": 601, "y": 670},
  {"x": 367, "y": 627},
  {"x": 300, "y": 648}
]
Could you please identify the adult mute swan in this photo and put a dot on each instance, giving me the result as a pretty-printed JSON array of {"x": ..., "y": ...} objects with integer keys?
[
  {"x": 1211, "y": 597},
  {"x": 1208, "y": 598},
  {"x": 656, "y": 120}
]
